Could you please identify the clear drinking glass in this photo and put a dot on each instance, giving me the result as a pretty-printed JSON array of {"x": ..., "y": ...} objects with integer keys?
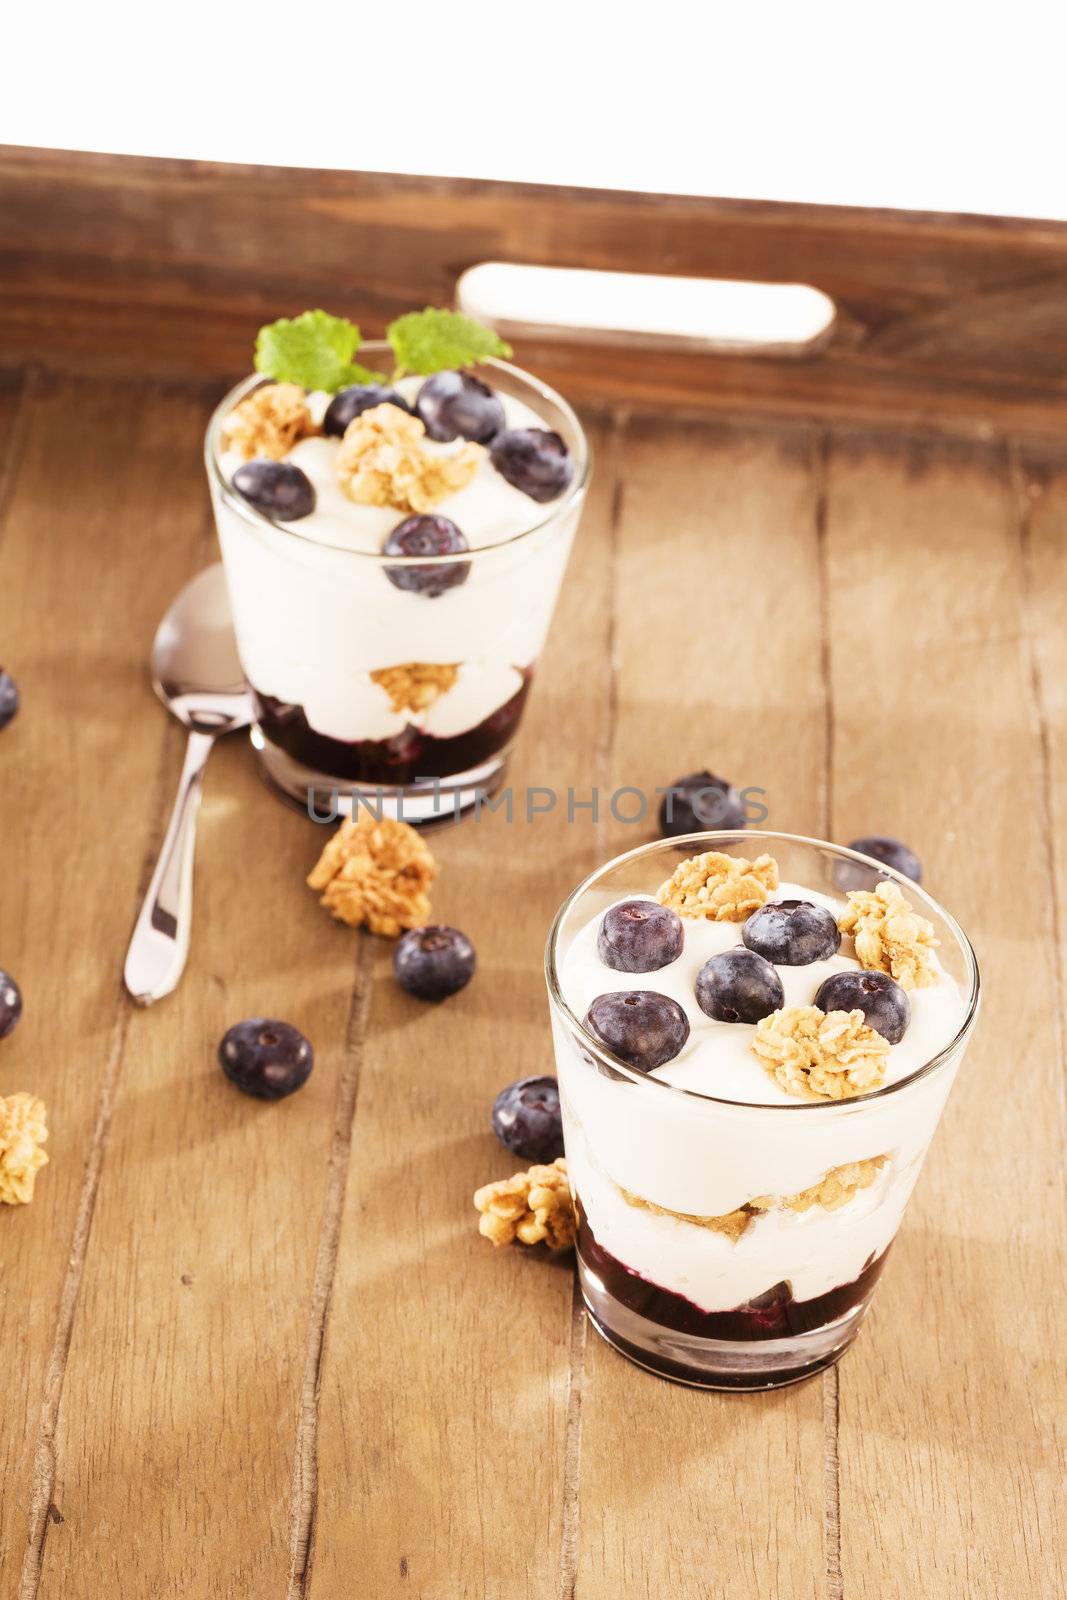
[
  {"x": 314, "y": 620},
  {"x": 650, "y": 1163}
]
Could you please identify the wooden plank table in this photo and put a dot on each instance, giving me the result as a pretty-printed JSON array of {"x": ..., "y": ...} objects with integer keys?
[
  {"x": 260, "y": 1350},
  {"x": 254, "y": 1351}
]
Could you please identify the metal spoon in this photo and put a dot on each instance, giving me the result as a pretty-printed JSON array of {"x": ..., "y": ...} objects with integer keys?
[{"x": 196, "y": 674}]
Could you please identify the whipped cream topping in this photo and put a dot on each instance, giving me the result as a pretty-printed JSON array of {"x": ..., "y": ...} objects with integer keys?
[
  {"x": 313, "y": 618},
  {"x": 708, "y": 1157}
]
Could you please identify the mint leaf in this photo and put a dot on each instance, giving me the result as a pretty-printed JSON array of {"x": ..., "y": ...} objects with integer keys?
[
  {"x": 313, "y": 349},
  {"x": 429, "y": 341}
]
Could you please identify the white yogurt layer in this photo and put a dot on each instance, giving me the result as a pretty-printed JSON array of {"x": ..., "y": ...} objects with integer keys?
[
  {"x": 718, "y": 1058},
  {"x": 697, "y": 1156},
  {"x": 488, "y": 510},
  {"x": 315, "y": 614},
  {"x": 814, "y": 1250}
]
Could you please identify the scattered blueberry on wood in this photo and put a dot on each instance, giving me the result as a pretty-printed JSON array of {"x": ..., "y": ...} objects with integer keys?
[
  {"x": 9, "y": 698},
  {"x": 890, "y": 852},
  {"x": 10, "y": 1004},
  {"x": 698, "y": 802},
  {"x": 527, "y": 1121},
  {"x": 266, "y": 1058},
  {"x": 434, "y": 962}
]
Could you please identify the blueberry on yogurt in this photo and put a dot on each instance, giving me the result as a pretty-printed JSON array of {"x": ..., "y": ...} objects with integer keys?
[
  {"x": 640, "y": 1026},
  {"x": 792, "y": 933},
  {"x": 427, "y": 535},
  {"x": 884, "y": 1004},
  {"x": 277, "y": 488},
  {"x": 639, "y": 936},
  {"x": 534, "y": 460},
  {"x": 350, "y": 403},
  {"x": 738, "y": 986},
  {"x": 457, "y": 405}
]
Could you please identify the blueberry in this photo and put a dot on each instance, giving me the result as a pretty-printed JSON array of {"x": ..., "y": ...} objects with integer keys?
[
  {"x": 456, "y": 405},
  {"x": 277, "y": 488},
  {"x": 9, "y": 698},
  {"x": 850, "y": 875},
  {"x": 885, "y": 1006},
  {"x": 641, "y": 1027},
  {"x": 527, "y": 1120},
  {"x": 769, "y": 1311},
  {"x": 639, "y": 936},
  {"x": 433, "y": 962},
  {"x": 265, "y": 1058},
  {"x": 353, "y": 401},
  {"x": 10, "y": 1004},
  {"x": 699, "y": 801},
  {"x": 427, "y": 536},
  {"x": 739, "y": 986},
  {"x": 792, "y": 933},
  {"x": 533, "y": 460}
]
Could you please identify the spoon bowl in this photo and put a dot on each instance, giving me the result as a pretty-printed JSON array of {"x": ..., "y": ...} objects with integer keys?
[
  {"x": 195, "y": 670},
  {"x": 198, "y": 677}
]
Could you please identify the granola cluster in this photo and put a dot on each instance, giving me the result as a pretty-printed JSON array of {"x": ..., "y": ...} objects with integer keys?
[
  {"x": 838, "y": 1187},
  {"x": 268, "y": 422},
  {"x": 534, "y": 1207},
  {"x": 383, "y": 461},
  {"x": 376, "y": 871},
  {"x": 719, "y": 888},
  {"x": 415, "y": 685},
  {"x": 835, "y": 1189},
  {"x": 823, "y": 1055},
  {"x": 22, "y": 1133},
  {"x": 733, "y": 1224},
  {"x": 889, "y": 936}
]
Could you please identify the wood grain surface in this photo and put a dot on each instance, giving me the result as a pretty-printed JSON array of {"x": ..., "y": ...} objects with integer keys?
[
  {"x": 120, "y": 264},
  {"x": 260, "y": 1350},
  {"x": 963, "y": 1339}
]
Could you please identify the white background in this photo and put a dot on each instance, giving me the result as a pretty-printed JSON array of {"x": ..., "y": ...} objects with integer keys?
[{"x": 938, "y": 106}]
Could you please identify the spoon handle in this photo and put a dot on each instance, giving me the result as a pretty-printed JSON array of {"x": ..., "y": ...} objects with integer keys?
[{"x": 158, "y": 950}]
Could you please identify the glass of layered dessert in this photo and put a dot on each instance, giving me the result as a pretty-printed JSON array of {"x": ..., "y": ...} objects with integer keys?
[
  {"x": 755, "y": 1037},
  {"x": 393, "y": 552}
]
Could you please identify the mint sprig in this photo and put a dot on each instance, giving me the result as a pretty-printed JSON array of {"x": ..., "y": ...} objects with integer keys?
[
  {"x": 317, "y": 350},
  {"x": 429, "y": 341},
  {"x": 314, "y": 350}
]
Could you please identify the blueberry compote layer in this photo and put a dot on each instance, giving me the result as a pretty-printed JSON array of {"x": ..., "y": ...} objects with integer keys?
[
  {"x": 772, "y": 1315},
  {"x": 405, "y": 758}
]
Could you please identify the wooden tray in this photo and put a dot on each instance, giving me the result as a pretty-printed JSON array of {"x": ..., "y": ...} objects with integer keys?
[{"x": 260, "y": 1350}]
